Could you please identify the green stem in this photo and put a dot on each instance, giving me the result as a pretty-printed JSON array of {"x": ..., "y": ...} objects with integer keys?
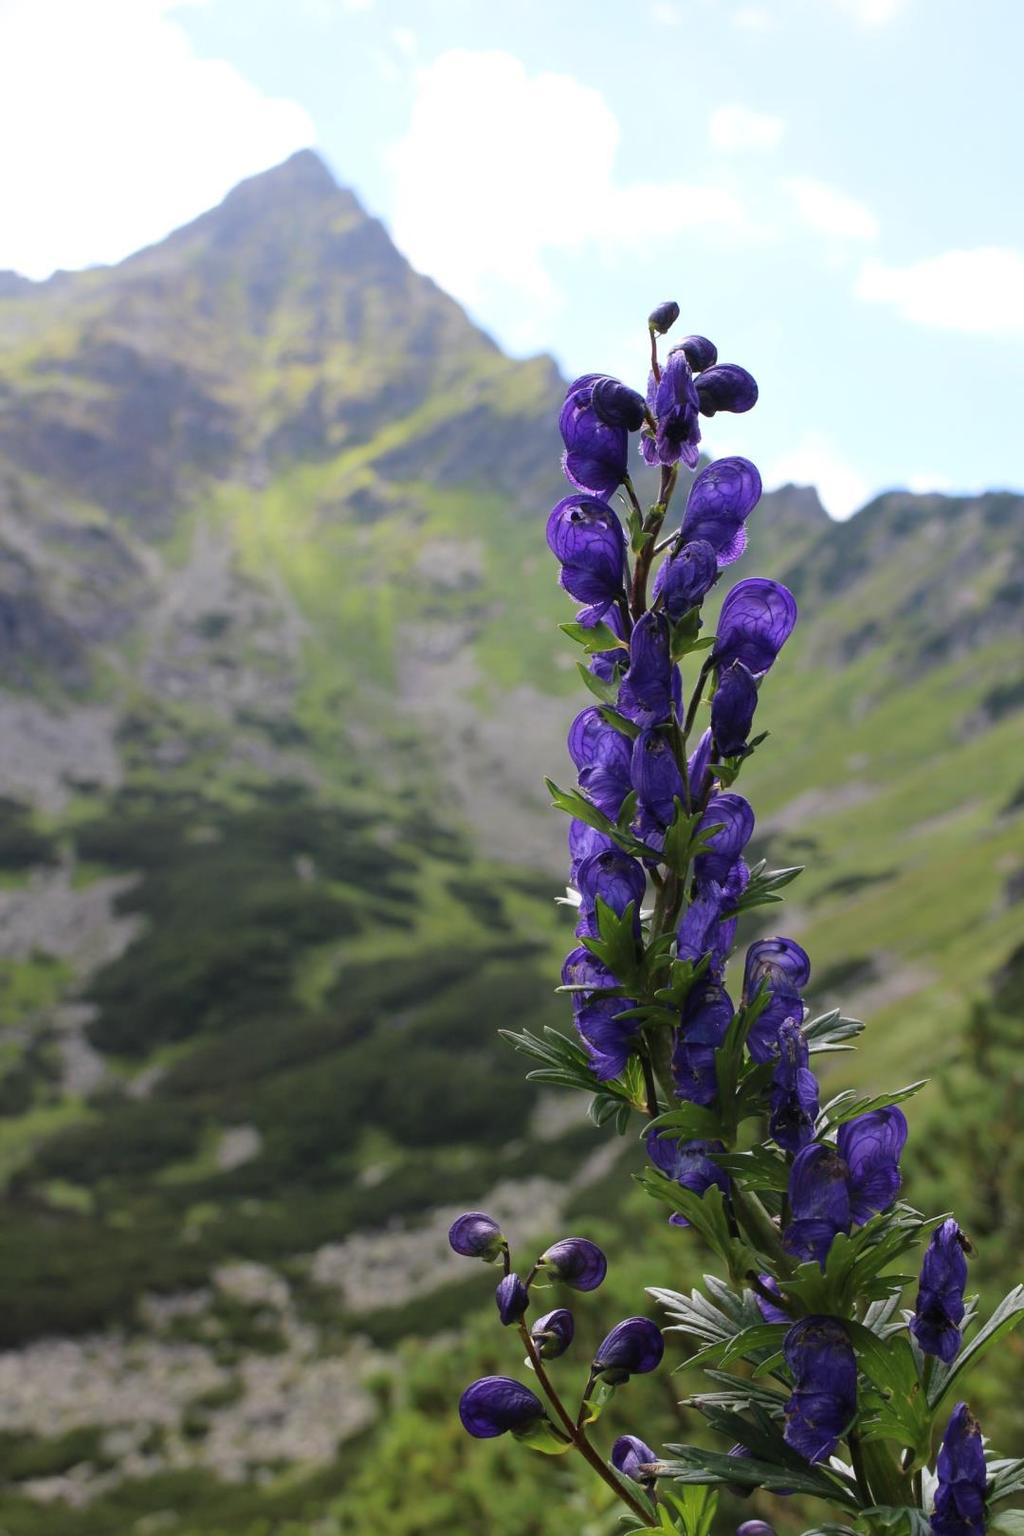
[
  {"x": 576, "y": 1433},
  {"x": 760, "y": 1228}
]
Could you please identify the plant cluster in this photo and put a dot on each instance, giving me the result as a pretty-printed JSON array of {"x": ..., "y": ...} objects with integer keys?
[{"x": 821, "y": 1382}]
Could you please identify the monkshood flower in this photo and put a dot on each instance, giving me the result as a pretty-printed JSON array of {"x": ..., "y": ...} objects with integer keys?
[
  {"x": 634, "y": 1458},
  {"x": 686, "y": 578},
  {"x": 655, "y": 775},
  {"x": 584, "y": 841},
  {"x": 823, "y": 1403},
  {"x": 727, "y": 387},
  {"x": 689, "y": 1163},
  {"x": 757, "y": 618},
  {"x": 512, "y": 1299},
  {"x": 553, "y": 1333},
  {"x": 732, "y": 709},
  {"x": 615, "y": 878},
  {"x": 703, "y": 930},
  {"x": 697, "y": 776},
  {"x": 940, "y": 1297},
  {"x": 664, "y": 317},
  {"x": 699, "y": 352},
  {"x": 476, "y": 1236},
  {"x": 794, "y": 1093},
  {"x": 674, "y": 403},
  {"x": 721, "y": 499},
  {"x": 586, "y": 537},
  {"x": 959, "y": 1508},
  {"x": 497, "y": 1405},
  {"x": 608, "y": 1038},
  {"x": 756, "y": 1527},
  {"x": 594, "y": 423},
  {"x": 705, "y": 1022},
  {"x": 634, "y": 1347},
  {"x": 602, "y": 756},
  {"x": 576, "y": 1261},
  {"x": 785, "y": 968},
  {"x": 651, "y": 685},
  {"x": 834, "y": 1188},
  {"x": 733, "y": 817}
]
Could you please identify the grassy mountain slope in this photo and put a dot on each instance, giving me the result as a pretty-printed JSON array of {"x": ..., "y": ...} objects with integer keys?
[{"x": 282, "y": 677}]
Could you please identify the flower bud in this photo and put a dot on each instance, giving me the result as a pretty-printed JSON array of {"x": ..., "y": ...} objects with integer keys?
[
  {"x": 512, "y": 1299},
  {"x": 755, "y": 1527},
  {"x": 664, "y": 317},
  {"x": 728, "y": 387},
  {"x": 634, "y": 1347},
  {"x": 632, "y": 1457},
  {"x": 959, "y": 1508},
  {"x": 700, "y": 353},
  {"x": 940, "y": 1297},
  {"x": 686, "y": 578},
  {"x": 476, "y": 1236},
  {"x": 618, "y": 405},
  {"x": 757, "y": 618},
  {"x": 732, "y": 709},
  {"x": 496, "y": 1405},
  {"x": 577, "y": 1262},
  {"x": 552, "y": 1334}
]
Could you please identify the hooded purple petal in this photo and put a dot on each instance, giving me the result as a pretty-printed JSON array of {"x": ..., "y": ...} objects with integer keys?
[
  {"x": 608, "y": 1038},
  {"x": 959, "y": 1508},
  {"x": 688, "y": 1163},
  {"x": 794, "y": 1093},
  {"x": 511, "y": 1298},
  {"x": 647, "y": 691},
  {"x": 940, "y": 1298},
  {"x": 585, "y": 535},
  {"x": 634, "y": 1347},
  {"x": 577, "y": 1262},
  {"x": 733, "y": 817},
  {"x": 655, "y": 775},
  {"x": 685, "y": 579},
  {"x": 617, "y": 405},
  {"x": 596, "y": 450},
  {"x": 757, "y": 618},
  {"x": 553, "y": 1333},
  {"x": 630, "y": 1456},
  {"x": 732, "y": 709},
  {"x": 699, "y": 352},
  {"x": 819, "y": 1202},
  {"x": 768, "y": 1310},
  {"x": 497, "y": 1404},
  {"x": 727, "y": 387},
  {"x": 584, "y": 841},
  {"x": 476, "y": 1236},
  {"x": 823, "y": 1403},
  {"x": 674, "y": 402},
  {"x": 720, "y": 501},
  {"x": 871, "y": 1147}
]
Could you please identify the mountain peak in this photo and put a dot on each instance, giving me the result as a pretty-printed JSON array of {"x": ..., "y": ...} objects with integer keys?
[{"x": 303, "y": 171}]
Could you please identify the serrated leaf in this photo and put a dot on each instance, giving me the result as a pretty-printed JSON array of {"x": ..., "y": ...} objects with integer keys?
[
  {"x": 1004, "y": 1319},
  {"x": 844, "y": 1109},
  {"x": 596, "y": 637},
  {"x": 692, "y": 1464}
]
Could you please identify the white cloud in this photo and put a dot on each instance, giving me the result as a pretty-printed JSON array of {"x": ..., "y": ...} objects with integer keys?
[
  {"x": 122, "y": 133},
  {"x": 980, "y": 291},
  {"x": 665, "y": 13},
  {"x": 816, "y": 461},
  {"x": 830, "y": 211},
  {"x": 871, "y": 13},
  {"x": 736, "y": 127},
  {"x": 922, "y": 484},
  {"x": 499, "y": 168},
  {"x": 753, "y": 18}
]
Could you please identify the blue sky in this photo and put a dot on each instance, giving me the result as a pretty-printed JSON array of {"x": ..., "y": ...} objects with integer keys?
[{"x": 830, "y": 188}]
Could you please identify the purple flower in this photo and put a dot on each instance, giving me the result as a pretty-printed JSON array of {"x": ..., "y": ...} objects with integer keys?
[
  {"x": 959, "y": 1508},
  {"x": 733, "y": 817},
  {"x": 585, "y": 535},
  {"x": 616, "y": 404},
  {"x": 705, "y": 1022},
  {"x": 721, "y": 499},
  {"x": 785, "y": 967},
  {"x": 577, "y": 1262},
  {"x": 755, "y": 1527},
  {"x": 655, "y": 775},
  {"x": 512, "y": 1299},
  {"x": 699, "y": 352},
  {"x": 596, "y": 450},
  {"x": 757, "y": 618},
  {"x": 794, "y": 1095},
  {"x": 689, "y": 1163},
  {"x": 940, "y": 1297},
  {"x": 832, "y": 1189},
  {"x": 615, "y": 878},
  {"x": 602, "y": 756},
  {"x": 674, "y": 403},
  {"x": 686, "y": 578},
  {"x": 732, "y": 709},
  {"x": 697, "y": 769},
  {"x": 631, "y": 1456},
  {"x": 634, "y": 1347},
  {"x": 608, "y": 1038},
  {"x": 726, "y": 388},
  {"x": 553, "y": 1333},
  {"x": 648, "y": 690},
  {"x": 476, "y": 1236},
  {"x": 584, "y": 841},
  {"x": 770, "y": 1312},
  {"x": 824, "y": 1398},
  {"x": 698, "y": 931},
  {"x": 664, "y": 317},
  {"x": 496, "y": 1405}
]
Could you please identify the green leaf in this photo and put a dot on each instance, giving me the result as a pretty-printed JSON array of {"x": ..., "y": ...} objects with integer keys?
[
  {"x": 695, "y": 1506},
  {"x": 693, "y": 1464},
  {"x": 1009, "y": 1522},
  {"x": 1004, "y": 1319},
  {"x": 757, "y": 1169},
  {"x": 578, "y": 806},
  {"x": 616, "y": 945},
  {"x": 701, "y": 1318},
  {"x": 597, "y": 1400},
  {"x": 845, "y": 1107},
  {"x": 706, "y": 1213},
  {"x": 688, "y": 1122},
  {"x": 829, "y": 1030},
  {"x": 606, "y": 692},
  {"x": 619, "y": 722},
  {"x": 1006, "y": 1479},
  {"x": 598, "y": 637},
  {"x": 894, "y": 1407}
]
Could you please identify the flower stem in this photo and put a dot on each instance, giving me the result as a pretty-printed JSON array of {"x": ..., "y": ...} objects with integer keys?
[{"x": 577, "y": 1434}]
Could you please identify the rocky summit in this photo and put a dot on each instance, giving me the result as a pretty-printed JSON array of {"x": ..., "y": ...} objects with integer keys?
[{"x": 281, "y": 676}]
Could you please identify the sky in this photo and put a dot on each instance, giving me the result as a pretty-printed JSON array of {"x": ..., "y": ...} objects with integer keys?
[{"x": 831, "y": 189}]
